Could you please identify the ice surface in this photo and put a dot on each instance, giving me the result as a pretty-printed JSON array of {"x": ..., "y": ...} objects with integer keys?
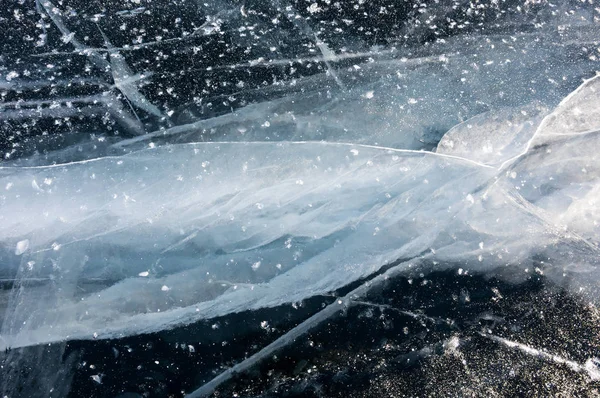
[
  {"x": 506, "y": 133},
  {"x": 171, "y": 234},
  {"x": 214, "y": 222},
  {"x": 224, "y": 71},
  {"x": 217, "y": 175},
  {"x": 564, "y": 183},
  {"x": 399, "y": 102}
]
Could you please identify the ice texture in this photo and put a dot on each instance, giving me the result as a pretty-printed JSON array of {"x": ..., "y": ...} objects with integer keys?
[
  {"x": 250, "y": 155},
  {"x": 279, "y": 71},
  {"x": 222, "y": 227}
]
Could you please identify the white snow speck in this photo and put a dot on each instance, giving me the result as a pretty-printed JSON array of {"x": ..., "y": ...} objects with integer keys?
[
  {"x": 35, "y": 186},
  {"x": 67, "y": 38},
  {"x": 313, "y": 8},
  {"x": 97, "y": 378},
  {"x": 165, "y": 288},
  {"x": 22, "y": 247},
  {"x": 11, "y": 76}
]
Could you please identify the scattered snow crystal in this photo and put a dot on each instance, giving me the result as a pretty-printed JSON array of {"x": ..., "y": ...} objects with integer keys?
[{"x": 22, "y": 247}]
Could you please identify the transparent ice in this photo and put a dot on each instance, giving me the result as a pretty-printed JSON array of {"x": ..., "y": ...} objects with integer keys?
[{"x": 477, "y": 150}]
